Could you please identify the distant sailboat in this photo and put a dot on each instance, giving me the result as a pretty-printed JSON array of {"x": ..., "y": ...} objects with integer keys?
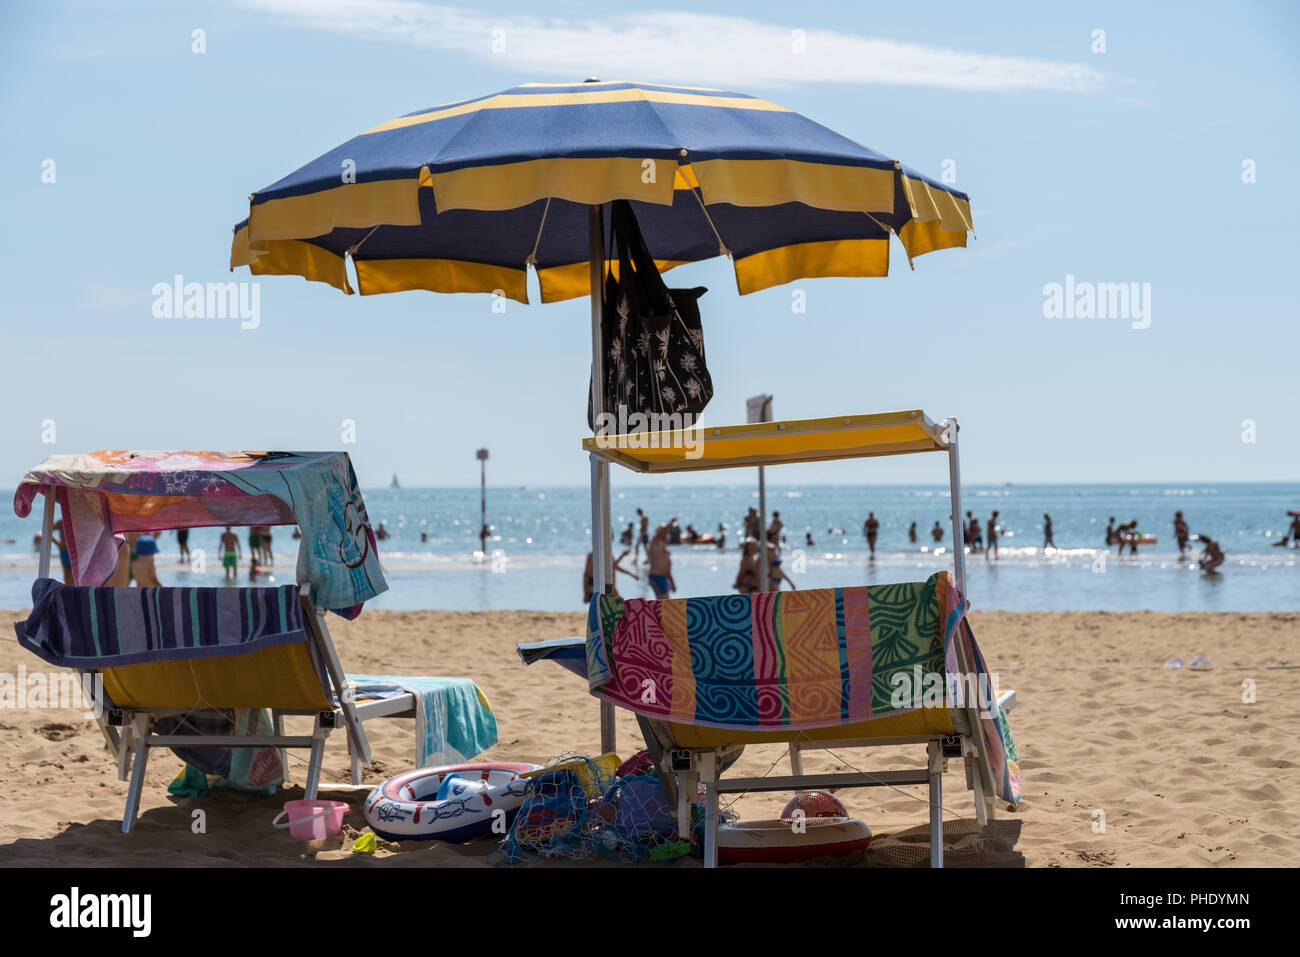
[{"x": 394, "y": 483}]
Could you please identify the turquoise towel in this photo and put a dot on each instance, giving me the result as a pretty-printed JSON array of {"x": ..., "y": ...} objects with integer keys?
[{"x": 454, "y": 721}]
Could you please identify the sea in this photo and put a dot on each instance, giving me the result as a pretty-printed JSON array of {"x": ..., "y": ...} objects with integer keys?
[{"x": 541, "y": 536}]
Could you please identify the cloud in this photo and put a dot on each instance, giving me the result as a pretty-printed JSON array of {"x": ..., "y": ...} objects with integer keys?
[
  {"x": 101, "y": 296},
  {"x": 680, "y": 47}
]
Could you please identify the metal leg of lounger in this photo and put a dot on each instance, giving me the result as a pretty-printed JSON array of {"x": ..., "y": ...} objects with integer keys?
[
  {"x": 355, "y": 760},
  {"x": 796, "y": 759},
  {"x": 708, "y": 768},
  {"x": 936, "y": 803},
  {"x": 140, "y": 736},
  {"x": 277, "y": 728},
  {"x": 688, "y": 786},
  {"x": 975, "y": 783},
  {"x": 317, "y": 759}
]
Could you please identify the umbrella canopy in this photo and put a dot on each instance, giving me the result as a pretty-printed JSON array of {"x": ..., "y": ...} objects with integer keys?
[{"x": 464, "y": 197}]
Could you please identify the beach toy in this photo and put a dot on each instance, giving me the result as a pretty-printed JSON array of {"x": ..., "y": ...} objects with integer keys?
[
  {"x": 779, "y": 842},
  {"x": 1174, "y": 663},
  {"x": 555, "y": 803},
  {"x": 312, "y": 820},
  {"x": 453, "y": 785},
  {"x": 636, "y": 807},
  {"x": 670, "y": 850},
  {"x": 414, "y": 806},
  {"x": 814, "y": 804},
  {"x": 639, "y": 763},
  {"x": 587, "y": 770},
  {"x": 364, "y": 844}
]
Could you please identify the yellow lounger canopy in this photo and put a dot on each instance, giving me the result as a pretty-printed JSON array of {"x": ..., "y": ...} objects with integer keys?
[{"x": 772, "y": 443}]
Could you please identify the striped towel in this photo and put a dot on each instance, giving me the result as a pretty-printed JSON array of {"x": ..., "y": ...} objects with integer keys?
[
  {"x": 780, "y": 661},
  {"x": 93, "y": 628}
]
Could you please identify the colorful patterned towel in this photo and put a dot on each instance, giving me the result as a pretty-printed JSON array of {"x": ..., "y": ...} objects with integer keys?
[
  {"x": 785, "y": 660},
  {"x": 105, "y": 494},
  {"x": 453, "y": 720},
  {"x": 93, "y": 628}
]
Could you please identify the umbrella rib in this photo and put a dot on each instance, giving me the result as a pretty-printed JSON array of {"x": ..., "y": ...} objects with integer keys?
[
  {"x": 352, "y": 250},
  {"x": 722, "y": 247},
  {"x": 532, "y": 256}
]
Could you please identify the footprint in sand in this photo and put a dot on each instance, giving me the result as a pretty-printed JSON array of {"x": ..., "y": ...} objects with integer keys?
[{"x": 57, "y": 732}]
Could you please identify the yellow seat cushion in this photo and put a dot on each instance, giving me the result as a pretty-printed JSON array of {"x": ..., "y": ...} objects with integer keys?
[
  {"x": 922, "y": 722},
  {"x": 281, "y": 676}
]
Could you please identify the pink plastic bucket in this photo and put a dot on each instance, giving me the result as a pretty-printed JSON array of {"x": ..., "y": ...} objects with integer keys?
[{"x": 312, "y": 820}]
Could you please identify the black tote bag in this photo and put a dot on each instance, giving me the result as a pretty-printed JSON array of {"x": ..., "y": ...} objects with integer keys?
[{"x": 653, "y": 337}]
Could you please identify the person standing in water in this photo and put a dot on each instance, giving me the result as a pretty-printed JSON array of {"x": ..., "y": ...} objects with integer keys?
[
  {"x": 911, "y": 533},
  {"x": 1047, "y": 532},
  {"x": 747, "y": 576},
  {"x": 230, "y": 554},
  {"x": 65, "y": 557},
  {"x": 142, "y": 561},
  {"x": 643, "y": 540},
  {"x": 775, "y": 573},
  {"x": 661, "y": 564},
  {"x": 589, "y": 580},
  {"x": 937, "y": 532},
  {"x": 183, "y": 544},
  {"x": 871, "y": 528},
  {"x": 1181, "y": 533},
  {"x": 993, "y": 537},
  {"x": 976, "y": 535}
]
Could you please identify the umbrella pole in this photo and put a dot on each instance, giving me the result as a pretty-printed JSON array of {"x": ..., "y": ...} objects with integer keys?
[{"x": 602, "y": 560}]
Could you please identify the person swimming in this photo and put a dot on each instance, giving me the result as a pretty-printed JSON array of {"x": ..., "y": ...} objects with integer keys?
[{"x": 1212, "y": 557}]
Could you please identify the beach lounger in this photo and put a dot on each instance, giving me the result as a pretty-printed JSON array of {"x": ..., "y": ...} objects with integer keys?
[
  {"x": 163, "y": 653},
  {"x": 170, "y": 656},
  {"x": 811, "y": 669}
]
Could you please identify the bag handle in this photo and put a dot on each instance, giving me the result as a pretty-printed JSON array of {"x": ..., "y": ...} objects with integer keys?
[
  {"x": 305, "y": 820},
  {"x": 632, "y": 248}
]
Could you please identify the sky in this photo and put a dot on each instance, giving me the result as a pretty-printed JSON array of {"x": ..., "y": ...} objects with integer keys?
[{"x": 1161, "y": 151}]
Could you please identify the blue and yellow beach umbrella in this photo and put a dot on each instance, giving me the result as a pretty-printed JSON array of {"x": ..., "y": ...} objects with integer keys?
[{"x": 464, "y": 197}]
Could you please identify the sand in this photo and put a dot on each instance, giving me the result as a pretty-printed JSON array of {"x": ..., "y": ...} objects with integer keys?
[{"x": 1185, "y": 772}]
